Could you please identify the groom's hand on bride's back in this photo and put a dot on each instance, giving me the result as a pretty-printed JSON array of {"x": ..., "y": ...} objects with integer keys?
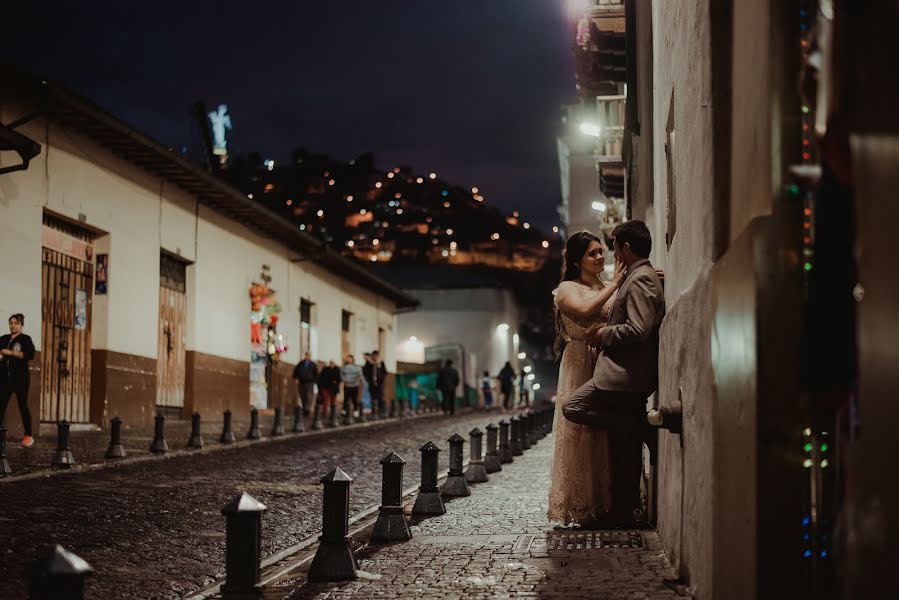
[{"x": 593, "y": 335}]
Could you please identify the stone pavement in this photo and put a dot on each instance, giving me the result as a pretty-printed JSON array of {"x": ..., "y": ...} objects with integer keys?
[
  {"x": 89, "y": 445},
  {"x": 497, "y": 543},
  {"x": 153, "y": 528}
]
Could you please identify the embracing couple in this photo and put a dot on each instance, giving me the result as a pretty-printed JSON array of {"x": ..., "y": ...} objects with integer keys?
[{"x": 608, "y": 370}]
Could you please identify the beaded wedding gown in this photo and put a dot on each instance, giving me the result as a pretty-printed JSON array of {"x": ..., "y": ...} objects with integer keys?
[{"x": 580, "y": 474}]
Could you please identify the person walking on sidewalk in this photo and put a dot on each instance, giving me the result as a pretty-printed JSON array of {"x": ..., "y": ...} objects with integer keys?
[
  {"x": 351, "y": 376},
  {"x": 447, "y": 382},
  {"x": 16, "y": 351},
  {"x": 523, "y": 389},
  {"x": 328, "y": 388},
  {"x": 305, "y": 375},
  {"x": 375, "y": 372},
  {"x": 506, "y": 379},
  {"x": 487, "y": 390}
]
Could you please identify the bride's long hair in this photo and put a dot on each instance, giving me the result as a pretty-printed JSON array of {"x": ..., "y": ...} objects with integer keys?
[{"x": 575, "y": 249}]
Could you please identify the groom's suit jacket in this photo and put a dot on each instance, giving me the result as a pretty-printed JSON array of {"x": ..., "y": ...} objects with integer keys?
[{"x": 629, "y": 343}]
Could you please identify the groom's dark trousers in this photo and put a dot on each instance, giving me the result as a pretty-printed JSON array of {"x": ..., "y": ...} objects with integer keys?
[{"x": 622, "y": 415}]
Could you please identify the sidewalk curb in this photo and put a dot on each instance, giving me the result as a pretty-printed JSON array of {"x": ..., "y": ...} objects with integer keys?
[{"x": 108, "y": 464}]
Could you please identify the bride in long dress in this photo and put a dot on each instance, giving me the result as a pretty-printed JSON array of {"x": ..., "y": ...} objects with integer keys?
[{"x": 581, "y": 474}]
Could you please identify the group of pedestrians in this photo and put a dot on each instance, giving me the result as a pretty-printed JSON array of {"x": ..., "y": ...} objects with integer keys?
[
  {"x": 506, "y": 378},
  {"x": 358, "y": 384},
  {"x": 448, "y": 381}
]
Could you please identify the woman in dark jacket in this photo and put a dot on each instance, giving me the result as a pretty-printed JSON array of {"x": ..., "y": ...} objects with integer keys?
[{"x": 16, "y": 351}]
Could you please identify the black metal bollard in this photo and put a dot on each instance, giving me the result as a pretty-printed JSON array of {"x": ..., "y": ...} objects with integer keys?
[
  {"x": 59, "y": 576},
  {"x": 428, "y": 502},
  {"x": 515, "y": 436},
  {"x": 299, "y": 426},
  {"x": 62, "y": 458},
  {"x": 277, "y": 426},
  {"x": 5, "y": 469},
  {"x": 455, "y": 484},
  {"x": 227, "y": 434},
  {"x": 116, "y": 450},
  {"x": 196, "y": 438},
  {"x": 505, "y": 447},
  {"x": 253, "y": 433},
  {"x": 159, "y": 445},
  {"x": 334, "y": 560},
  {"x": 391, "y": 525},
  {"x": 492, "y": 463},
  {"x": 476, "y": 473},
  {"x": 523, "y": 432},
  {"x": 531, "y": 425},
  {"x": 243, "y": 547}
]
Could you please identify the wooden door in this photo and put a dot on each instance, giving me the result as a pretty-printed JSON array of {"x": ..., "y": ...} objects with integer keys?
[
  {"x": 66, "y": 290},
  {"x": 172, "y": 333}
]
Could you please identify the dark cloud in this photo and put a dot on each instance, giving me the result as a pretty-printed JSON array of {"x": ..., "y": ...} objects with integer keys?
[{"x": 469, "y": 88}]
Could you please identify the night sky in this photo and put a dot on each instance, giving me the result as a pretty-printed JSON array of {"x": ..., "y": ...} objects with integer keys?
[{"x": 471, "y": 89}]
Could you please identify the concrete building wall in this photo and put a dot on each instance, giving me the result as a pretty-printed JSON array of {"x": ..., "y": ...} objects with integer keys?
[
  {"x": 720, "y": 139},
  {"x": 470, "y": 317},
  {"x": 580, "y": 183},
  {"x": 681, "y": 222}
]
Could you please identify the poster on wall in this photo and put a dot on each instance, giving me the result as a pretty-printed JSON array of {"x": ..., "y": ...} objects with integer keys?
[
  {"x": 80, "y": 309},
  {"x": 102, "y": 274}
]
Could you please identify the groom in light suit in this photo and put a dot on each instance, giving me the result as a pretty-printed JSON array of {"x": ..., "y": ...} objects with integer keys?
[{"x": 627, "y": 369}]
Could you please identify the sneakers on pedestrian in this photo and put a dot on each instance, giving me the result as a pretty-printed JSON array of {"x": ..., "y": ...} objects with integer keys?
[{"x": 27, "y": 441}]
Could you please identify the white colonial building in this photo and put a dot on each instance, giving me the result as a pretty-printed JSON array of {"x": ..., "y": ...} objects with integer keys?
[{"x": 134, "y": 269}]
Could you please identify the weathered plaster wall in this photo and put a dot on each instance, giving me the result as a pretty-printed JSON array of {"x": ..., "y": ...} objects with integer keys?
[{"x": 682, "y": 121}]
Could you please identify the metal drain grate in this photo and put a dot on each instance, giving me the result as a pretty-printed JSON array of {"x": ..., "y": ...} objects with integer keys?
[{"x": 587, "y": 540}]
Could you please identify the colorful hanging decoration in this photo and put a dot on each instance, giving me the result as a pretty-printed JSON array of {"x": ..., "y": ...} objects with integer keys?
[{"x": 264, "y": 313}]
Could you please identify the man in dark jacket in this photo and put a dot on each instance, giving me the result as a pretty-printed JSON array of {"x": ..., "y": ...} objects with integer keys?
[
  {"x": 375, "y": 372},
  {"x": 506, "y": 378},
  {"x": 447, "y": 382},
  {"x": 16, "y": 350},
  {"x": 305, "y": 375}
]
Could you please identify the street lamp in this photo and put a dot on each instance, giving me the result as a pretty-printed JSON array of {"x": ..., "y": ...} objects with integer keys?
[
  {"x": 536, "y": 386},
  {"x": 591, "y": 129},
  {"x": 522, "y": 356},
  {"x": 527, "y": 368}
]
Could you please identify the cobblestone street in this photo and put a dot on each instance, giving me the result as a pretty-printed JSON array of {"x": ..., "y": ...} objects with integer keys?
[
  {"x": 497, "y": 543},
  {"x": 153, "y": 528}
]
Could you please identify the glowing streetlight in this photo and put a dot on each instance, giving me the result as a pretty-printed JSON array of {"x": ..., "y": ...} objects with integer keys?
[
  {"x": 433, "y": 175},
  {"x": 522, "y": 356},
  {"x": 536, "y": 386},
  {"x": 531, "y": 377},
  {"x": 591, "y": 129},
  {"x": 527, "y": 368},
  {"x": 545, "y": 244}
]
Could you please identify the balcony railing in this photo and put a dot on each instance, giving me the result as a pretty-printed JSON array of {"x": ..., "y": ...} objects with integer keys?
[{"x": 610, "y": 118}]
